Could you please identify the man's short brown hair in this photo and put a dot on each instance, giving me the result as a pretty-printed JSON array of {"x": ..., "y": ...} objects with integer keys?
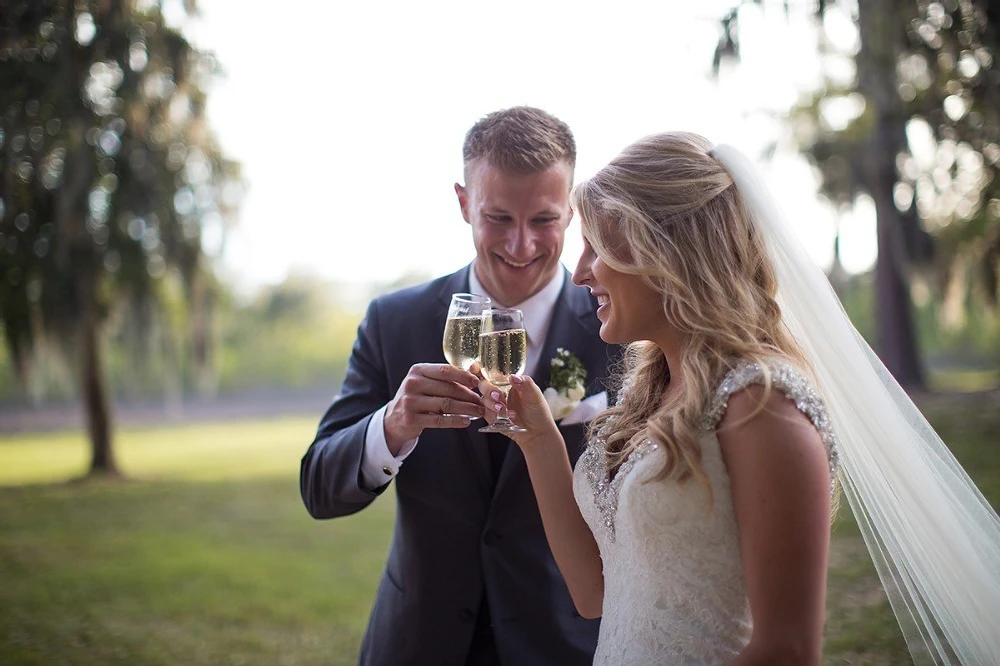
[{"x": 520, "y": 140}]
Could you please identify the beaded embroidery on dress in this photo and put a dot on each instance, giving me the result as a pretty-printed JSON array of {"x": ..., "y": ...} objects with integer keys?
[{"x": 673, "y": 581}]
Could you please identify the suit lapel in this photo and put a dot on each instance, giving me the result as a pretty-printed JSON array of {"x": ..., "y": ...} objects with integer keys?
[
  {"x": 572, "y": 329},
  {"x": 472, "y": 442}
]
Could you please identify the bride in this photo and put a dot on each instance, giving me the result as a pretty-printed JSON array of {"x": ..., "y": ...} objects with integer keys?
[{"x": 697, "y": 522}]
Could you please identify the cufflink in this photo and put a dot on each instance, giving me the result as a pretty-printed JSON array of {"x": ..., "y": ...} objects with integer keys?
[{"x": 387, "y": 471}]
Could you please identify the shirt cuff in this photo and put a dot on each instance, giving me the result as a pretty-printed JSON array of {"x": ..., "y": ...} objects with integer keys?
[{"x": 378, "y": 465}]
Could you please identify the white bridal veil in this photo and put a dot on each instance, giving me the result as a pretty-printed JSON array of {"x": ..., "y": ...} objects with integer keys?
[{"x": 933, "y": 537}]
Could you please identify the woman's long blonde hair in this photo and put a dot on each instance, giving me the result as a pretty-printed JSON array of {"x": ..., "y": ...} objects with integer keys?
[{"x": 666, "y": 210}]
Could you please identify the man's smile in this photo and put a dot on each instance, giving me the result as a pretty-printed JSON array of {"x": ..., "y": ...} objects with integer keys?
[{"x": 515, "y": 264}]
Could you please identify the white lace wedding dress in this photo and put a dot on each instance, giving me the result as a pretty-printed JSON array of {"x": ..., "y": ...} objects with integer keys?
[{"x": 674, "y": 592}]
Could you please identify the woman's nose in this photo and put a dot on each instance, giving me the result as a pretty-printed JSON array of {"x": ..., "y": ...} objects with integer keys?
[{"x": 581, "y": 274}]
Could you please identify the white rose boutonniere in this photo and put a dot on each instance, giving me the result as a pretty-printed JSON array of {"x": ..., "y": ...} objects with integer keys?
[{"x": 567, "y": 383}]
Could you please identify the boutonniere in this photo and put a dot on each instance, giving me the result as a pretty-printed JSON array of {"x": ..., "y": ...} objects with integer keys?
[{"x": 567, "y": 383}]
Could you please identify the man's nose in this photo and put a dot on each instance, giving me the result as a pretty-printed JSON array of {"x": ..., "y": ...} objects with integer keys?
[{"x": 521, "y": 241}]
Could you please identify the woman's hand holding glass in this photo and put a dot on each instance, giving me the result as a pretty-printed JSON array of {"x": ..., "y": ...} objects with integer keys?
[
  {"x": 525, "y": 406},
  {"x": 503, "y": 353}
]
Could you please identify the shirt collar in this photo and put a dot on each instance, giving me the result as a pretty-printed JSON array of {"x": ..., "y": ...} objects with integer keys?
[{"x": 537, "y": 309}]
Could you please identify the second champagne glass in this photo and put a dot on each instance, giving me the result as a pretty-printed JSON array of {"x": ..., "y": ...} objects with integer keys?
[{"x": 503, "y": 351}]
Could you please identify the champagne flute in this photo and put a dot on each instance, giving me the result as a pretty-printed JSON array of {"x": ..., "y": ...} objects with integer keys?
[
  {"x": 503, "y": 351},
  {"x": 461, "y": 330}
]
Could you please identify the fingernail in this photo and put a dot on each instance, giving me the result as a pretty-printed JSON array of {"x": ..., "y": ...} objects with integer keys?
[
  {"x": 516, "y": 379},
  {"x": 511, "y": 414},
  {"x": 495, "y": 395},
  {"x": 497, "y": 406}
]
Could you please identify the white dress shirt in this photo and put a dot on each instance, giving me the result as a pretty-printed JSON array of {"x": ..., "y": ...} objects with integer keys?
[{"x": 378, "y": 465}]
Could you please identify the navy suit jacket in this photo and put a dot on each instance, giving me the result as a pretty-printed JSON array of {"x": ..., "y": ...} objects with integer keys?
[{"x": 454, "y": 540}]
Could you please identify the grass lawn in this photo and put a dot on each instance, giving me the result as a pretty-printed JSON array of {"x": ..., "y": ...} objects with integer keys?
[{"x": 206, "y": 555}]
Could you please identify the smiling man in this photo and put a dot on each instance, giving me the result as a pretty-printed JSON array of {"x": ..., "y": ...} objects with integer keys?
[
  {"x": 470, "y": 579},
  {"x": 519, "y": 211}
]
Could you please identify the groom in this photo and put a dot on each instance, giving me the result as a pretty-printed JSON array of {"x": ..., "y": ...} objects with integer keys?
[{"x": 470, "y": 579}]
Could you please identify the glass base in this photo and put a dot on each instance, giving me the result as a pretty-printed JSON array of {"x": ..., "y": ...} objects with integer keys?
[{"x": 502, "y": 425}]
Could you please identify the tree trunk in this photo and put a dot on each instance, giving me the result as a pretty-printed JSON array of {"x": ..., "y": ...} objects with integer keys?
[
  {"x": 897, "y": 347},
  {"x": 838, "y": 274},
  {"x": 93, "y": 386},
  {"x": 200, "y": 301}
]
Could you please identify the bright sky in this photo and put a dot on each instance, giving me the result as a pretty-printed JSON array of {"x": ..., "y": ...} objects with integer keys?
[{"x": 349, "y": 118}]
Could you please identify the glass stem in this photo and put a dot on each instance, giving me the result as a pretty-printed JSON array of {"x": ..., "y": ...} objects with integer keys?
[{"x": 502, "y": 416}]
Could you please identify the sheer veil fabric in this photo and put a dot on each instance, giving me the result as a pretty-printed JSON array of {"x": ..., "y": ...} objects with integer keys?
[{"x": 934, "y": 539}]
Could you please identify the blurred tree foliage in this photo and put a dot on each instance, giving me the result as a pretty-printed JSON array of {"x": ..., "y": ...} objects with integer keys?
[
  {"x": 109, "y": 175},
  {"x": 294, "y": 335},
  {"x": 291, "y": 338},
  {"x": 909, "y": 115}
]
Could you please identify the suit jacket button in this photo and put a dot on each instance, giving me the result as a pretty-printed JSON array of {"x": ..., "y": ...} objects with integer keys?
[
  {"x": 467, "y": 615},
  {"x": 387, "y": 471}
]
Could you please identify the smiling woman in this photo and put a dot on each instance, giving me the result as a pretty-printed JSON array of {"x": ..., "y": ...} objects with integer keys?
[{"x": 626, "y": 302}]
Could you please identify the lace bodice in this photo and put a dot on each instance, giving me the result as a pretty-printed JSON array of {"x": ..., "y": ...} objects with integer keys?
[{"x": 673, "y": 582}]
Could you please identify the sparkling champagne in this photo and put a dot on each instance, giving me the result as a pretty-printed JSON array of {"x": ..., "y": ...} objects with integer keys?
[
  {"x": 461, "y": 340},
  {"x": 502, "y": 354}
]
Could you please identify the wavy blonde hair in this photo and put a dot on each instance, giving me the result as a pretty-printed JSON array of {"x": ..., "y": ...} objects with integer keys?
[{"x": 666, "y": 210}]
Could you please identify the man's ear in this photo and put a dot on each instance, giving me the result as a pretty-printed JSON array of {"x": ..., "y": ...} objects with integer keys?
[{"x": 463, "y": 201}]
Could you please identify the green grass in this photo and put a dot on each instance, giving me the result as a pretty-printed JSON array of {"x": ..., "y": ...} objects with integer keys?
[
  {"x": 860, "y": 628},
  {"x": 205, "y": 554}
]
